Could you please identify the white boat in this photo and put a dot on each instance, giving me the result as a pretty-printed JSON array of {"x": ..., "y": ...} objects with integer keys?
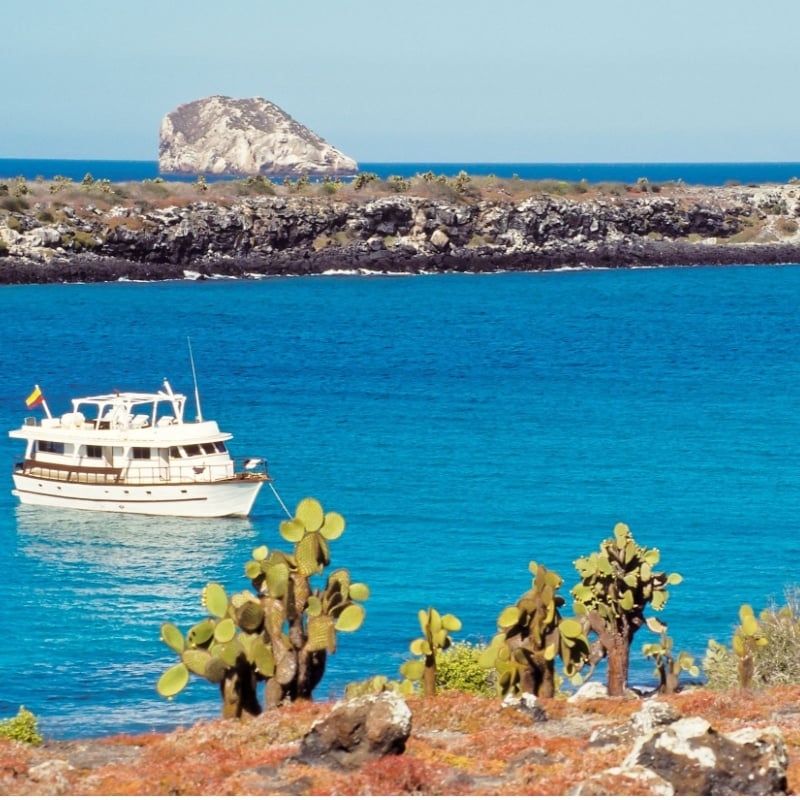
[{"x": 133, "y": 453}]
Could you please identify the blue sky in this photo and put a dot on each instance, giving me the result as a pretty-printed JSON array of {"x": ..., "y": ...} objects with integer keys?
[{"x": 417, "y": 80}]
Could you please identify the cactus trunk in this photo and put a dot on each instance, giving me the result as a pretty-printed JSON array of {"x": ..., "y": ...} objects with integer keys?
[
  {"x": 238, "y": 690},
  {"x": 618, "y": 651},
  {"x": 429, "y": 676},
  {"x": 745, "y": 668},
  {"x": 540, "y": 679},
  {"x": 310, "y": 669}
]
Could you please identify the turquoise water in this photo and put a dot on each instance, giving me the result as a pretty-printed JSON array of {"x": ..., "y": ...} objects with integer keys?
[{"x": 463, "y": 425}]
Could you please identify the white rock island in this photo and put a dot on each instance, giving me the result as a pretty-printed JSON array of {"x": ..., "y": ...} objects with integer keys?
[{"x": 226, "y": 136}]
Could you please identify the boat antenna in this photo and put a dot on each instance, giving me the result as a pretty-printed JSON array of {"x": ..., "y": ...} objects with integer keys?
[{"x": 194, "y": 377}]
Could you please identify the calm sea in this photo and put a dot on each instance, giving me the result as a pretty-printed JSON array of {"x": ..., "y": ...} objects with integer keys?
[
  {"x": 464, "y": 425},
  {"x": 710, "y": 174}
]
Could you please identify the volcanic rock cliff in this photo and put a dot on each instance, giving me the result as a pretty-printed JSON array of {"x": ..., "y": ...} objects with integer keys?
[
  {"x": 225, "y": 136},
  {"x": 395, "y": 233}
]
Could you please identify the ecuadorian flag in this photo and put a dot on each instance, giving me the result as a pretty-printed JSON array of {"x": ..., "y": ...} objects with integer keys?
[{"x": 34, "y": 398}]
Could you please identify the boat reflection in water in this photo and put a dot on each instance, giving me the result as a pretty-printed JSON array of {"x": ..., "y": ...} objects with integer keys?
[{"x": 89, "y": 593}]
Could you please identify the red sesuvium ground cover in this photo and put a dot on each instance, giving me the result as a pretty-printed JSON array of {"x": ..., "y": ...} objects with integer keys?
[{"x": 460, "y": 745}]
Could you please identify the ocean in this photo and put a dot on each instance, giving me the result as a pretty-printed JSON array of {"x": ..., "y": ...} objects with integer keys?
[
  {"x": 695, "y": 173},
  {"x": 464, "y": 425}
]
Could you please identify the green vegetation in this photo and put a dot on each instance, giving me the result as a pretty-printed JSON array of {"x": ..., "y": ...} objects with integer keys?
[
  {"x": 396, "y": 183},
  {"x": 258, "y": 184},
  {"x": 459, "y": 669},
  {"x": 764, "y": 651},
  {"x": 616, "y": 586},
  {"x": 532, "y": 634},
  {"x": 668, "y": 668},
  {"x": 364, "y": 179},
  {"x": 282, "y": 634},
  {"x": 22, "y": 728},
  {"x": 20, "y": 187},
  {"x": 15, "y": 205},
  {"x": 78, "y": 241},
  {"x": 436, "y": 630},
  {"x": 298, "y": 186},
  {"x": 59, "y": 184}
]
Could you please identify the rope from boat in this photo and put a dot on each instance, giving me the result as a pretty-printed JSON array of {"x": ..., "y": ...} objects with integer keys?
[{"x": 278, "y": 498}]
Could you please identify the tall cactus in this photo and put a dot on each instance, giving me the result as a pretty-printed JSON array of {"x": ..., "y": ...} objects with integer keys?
[
  {"x": 282, "y": 634},
  {"x": 746, "y": 639},
  {"x": 532, "y": 634},
  {"x": 616, "y": 586},
  {"x": 436, "y": 630}
]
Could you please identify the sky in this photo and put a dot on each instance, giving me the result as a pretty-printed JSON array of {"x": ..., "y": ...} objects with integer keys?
[{"x": 414, "y": 81}]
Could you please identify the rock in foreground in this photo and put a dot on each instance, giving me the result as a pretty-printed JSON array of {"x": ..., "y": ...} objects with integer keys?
[
  {"x": 225, "y": 136},
  {"x": 458, "y": 745},
  {"x": 357, "y": 731}
]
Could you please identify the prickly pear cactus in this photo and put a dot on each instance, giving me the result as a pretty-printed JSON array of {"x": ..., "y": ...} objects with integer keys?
[
  {"x": 746, "y": 640},
  {"x": 282, "y": 633},
  {"x": 667, "y": 666},
  {"x": 532, "y": 635},
  {"x": 436, "y": 630},
  {"x": 616, "y": 586}
]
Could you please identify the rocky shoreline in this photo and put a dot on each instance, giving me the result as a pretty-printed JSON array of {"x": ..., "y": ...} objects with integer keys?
[{"x": 92, "y": 237}]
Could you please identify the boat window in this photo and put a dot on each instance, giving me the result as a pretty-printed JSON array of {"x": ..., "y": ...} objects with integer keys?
[
  {"x": 174, "y": 452},
  {"x": 141, "y": 452},
  {"x": 50, "y": 447},
  {"x": 93, "y": 451},
  {"x": 209, "y": 449},
  {"x": 193, "y": 450},
  {"x": 221, "y": 447}
]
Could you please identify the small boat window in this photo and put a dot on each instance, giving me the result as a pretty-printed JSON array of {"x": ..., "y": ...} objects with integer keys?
[
  {"x": 141, "y": 453},
  {"x": 174, "y": 452},
  {"x": 193, "y": 450},
  {"x": 93, "y": 451},
  {"x": 221, "y": 447},
  {"x": 209, "y": 449},
  {"x": 50, "y": 447}
]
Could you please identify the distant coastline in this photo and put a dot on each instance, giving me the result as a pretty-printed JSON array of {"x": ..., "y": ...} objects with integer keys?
[
  {"x": 93, "y": 229},
  {"x": 691, "y": 173}
]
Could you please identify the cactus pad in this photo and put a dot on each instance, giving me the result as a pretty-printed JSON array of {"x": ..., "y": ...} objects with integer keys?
[
  {"x": 173, "y": 681},
  {"x": 215, "y": 600},
  {"x": 309, "y": 512},
  {"x": 172, "y": 637}
]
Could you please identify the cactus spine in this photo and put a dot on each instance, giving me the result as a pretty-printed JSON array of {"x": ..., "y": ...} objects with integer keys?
[
  {"x": 282, "y": 634},
  {"x": 616, "y": 586},
  {"x": 532, "y": 634}
]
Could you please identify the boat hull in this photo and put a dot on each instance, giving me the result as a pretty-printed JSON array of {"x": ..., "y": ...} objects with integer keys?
[{"x": 231, "y": 498}]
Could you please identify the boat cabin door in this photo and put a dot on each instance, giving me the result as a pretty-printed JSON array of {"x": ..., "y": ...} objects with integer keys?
[{"x": 163, "y": 463}]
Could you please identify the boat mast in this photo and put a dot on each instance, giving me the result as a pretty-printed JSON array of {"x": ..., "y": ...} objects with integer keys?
[{"x": 194, "y": 377}]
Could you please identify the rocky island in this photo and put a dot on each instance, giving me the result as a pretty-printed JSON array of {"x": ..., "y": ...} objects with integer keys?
[
  {"x": 225, "y": 136},
  {"x": 60, "y": 231}
]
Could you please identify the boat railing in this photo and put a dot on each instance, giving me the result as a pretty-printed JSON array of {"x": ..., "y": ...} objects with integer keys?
[
  {"x": 252, "y": 469},
  {"x": 162, "y": 473},
  {"x": 69, "y": 472},
  {"x": 155, "y": 474}
]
